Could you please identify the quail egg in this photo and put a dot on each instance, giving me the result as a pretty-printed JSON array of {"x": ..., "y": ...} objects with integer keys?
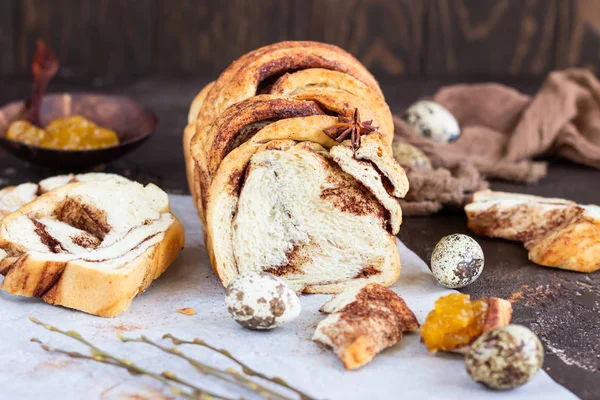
[
  {"x": 407, "y": 154},
  {"x": 457, "y": 261},
  {"x": 505, "y": 357},
  {"x": 432, "y": 121},
  {"x": 258, "y": 300}
]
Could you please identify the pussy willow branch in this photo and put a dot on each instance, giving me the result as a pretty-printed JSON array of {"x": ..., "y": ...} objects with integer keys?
[
  {"x": 229, "y": 375},
  {"x": 132, "y": 369},
  {"x": 247, "y": 370},
  {"x": 101, "y": 356}
]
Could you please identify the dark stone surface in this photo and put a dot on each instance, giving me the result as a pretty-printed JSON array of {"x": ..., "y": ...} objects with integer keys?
[{"x": 562, "y": 307}]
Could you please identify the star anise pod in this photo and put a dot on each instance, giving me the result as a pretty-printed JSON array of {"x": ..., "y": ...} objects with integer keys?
[{"x": 350, "y": 128}]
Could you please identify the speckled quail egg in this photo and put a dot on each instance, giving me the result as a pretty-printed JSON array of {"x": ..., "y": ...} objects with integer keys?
[
  {"x": 457, "y": 261},
  {"x": 431, "y": 120},
  {"x": 505, "y": 357},
  {"x": 407, "y": 154},
  {"x": 258, "y": 300}
]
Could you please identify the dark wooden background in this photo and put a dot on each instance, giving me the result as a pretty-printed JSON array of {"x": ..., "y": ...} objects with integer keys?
[{"x": 113, "y": 40}]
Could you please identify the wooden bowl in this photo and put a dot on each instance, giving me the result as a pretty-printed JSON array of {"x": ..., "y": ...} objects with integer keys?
[{"x": 133, "y": 124}]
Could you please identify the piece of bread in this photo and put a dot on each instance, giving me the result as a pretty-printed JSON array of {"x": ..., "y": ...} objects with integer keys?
[
  {"x": 274, "y": 192},
  {"x": 91, "y": 246},
  {"x": 14, "y": 197},
  {"x": 363, "y": 321},
  {"x": 556, "y": 232}
]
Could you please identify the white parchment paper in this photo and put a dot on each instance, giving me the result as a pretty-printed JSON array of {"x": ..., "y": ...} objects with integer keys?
[{"x": 406, "y": 371}]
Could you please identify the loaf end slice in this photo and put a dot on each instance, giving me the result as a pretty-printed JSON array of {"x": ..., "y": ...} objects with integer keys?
[{"x": 90, "y": 246}]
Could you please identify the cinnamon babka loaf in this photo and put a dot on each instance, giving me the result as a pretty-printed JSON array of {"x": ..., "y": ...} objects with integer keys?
[
  {"x": 91, "y": 246},
  {"x": 288, "y": 157}
]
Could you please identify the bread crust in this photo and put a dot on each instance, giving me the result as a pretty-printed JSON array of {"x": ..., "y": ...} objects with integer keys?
[
  {"x": 307, "y": 84},
  {"x": 94, "y": 292},
  {"x": 188, "y": 134}
]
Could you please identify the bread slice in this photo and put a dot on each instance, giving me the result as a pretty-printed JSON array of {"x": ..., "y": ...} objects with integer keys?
[
  {"x": 557, "y": 233},
  {"x": 91, "y": 246},
  {"x": 363, "y": 321},
  {"x": 14, "y": 197},
  {"x": 288, "y": 209}
]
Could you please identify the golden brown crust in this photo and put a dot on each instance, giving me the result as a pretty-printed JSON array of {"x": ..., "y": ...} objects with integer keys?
[
  {"x": 241, "y": 79},
  {"x": 188, "y": 134},
  {"x": 309, "y": 83},
  {"x": 88, "y": 289},
  {"x": 225, "y": 133},
  {"x": 197, "y": 103}
]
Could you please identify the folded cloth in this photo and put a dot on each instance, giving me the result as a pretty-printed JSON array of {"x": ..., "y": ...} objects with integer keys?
[
  {"x": 431, "y": 190},
  {"x": 501, "y": 131}
]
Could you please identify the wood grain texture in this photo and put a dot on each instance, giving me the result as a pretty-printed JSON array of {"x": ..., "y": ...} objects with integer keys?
[
  {"x": 97, "y": 38},
  {"x": 579, "y": 34},
  {"x": 206, "y": 36},
  {"x": 110, "y": 39},
  {"x": 6, "y": 38},
  {"x": 385, "y": 35},
  {"x": 504, "y": 37}
]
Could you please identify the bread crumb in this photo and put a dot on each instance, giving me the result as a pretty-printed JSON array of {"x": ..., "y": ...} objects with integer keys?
[
  {"x": 187, "y": 311},
  {"x": 117, "y": 327}
]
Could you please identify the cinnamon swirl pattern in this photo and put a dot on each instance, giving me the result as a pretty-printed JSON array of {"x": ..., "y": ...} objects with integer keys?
[{"x": 275, "y": 190}]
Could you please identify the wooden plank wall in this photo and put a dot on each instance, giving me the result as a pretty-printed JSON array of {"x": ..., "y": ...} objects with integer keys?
[
  {"x": 6, "y": 37},
  {"x": 115, "y": 38}
]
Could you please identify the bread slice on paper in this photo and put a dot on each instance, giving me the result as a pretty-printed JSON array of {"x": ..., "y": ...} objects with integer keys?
[
  {"x": 362, "y": 322},
  {"x": 90, "y": 246}
]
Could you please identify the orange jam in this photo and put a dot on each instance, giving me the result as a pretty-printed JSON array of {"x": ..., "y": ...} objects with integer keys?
[
  {"x": 70, "y": 133},
  {"x": 455, "y": 321}
]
